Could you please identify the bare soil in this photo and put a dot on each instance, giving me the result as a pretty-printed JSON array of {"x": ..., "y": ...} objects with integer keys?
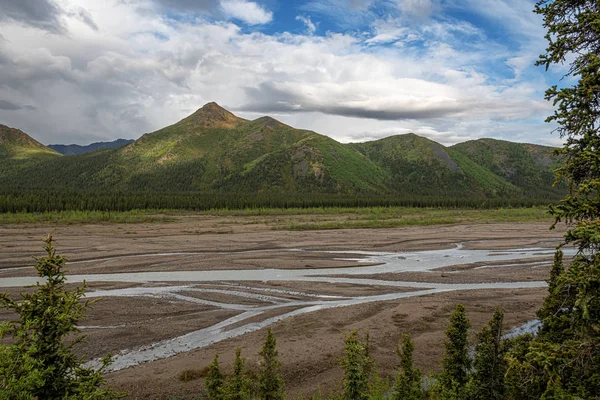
[{"x": 310, "y": 344}]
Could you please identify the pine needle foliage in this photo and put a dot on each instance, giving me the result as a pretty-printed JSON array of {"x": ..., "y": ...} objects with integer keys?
[
  {"x": 557, "y": 310},
  {"x": 487, "y": 380},
  {"x": 564, "y": 360},
  {"x": 40, "y": 362},
  {"x": 356, "y": 369},
  {"x": 238, "y": 385},
  {"x": 378, "y": 386},
  {"x": 214, "y": 380},
  {"x": 456, "y": 362},
  {"x": 271, "y": 386},
  {"x": 408, "y": 380}
]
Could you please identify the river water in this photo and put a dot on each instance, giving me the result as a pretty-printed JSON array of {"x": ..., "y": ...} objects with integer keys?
[{"x": 374, "y": 263}]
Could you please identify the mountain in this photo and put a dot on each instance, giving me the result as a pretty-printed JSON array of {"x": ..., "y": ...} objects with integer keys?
[
  {"x": 73, "y": 149},
  {"x": 528, "y": 166},
  {"x": 213, "y": 151},
  {"x": 16, "y": 144},
  {"x": 422, "y": 166}
]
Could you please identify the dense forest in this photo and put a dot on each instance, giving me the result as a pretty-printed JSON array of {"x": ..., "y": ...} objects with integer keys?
[{"x": 43, "y": 201}]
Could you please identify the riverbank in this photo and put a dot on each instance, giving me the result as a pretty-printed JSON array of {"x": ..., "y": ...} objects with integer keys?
[{"x": 210, "y": 283}]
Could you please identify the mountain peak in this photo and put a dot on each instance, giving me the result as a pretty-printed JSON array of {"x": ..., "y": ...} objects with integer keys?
[
  {"x": 15, "y": 143},
  {"x": 15, "y": 136},
  {"x": 269, "y": 121},
  {"x": 212, "y": 115}
]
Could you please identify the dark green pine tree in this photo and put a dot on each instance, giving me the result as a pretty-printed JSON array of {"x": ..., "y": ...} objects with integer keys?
[
  {"x": 557, "y": 310},
  {"x": 270, "y": 381},
  {"x": 564, "y": 360},
  {"x": 377, "y": 386},
  {"x": 214, "y": 380},
  {"x": 456, "y": 362},
  {"x": 487, "y": 379},
  {"x": 238, "y": 386},
  {"x": 408, "y": 380},
  {"x": 38, "y": 359},
  {"x": 356, "y": 369},
  {"x": 370, "y": 367}
]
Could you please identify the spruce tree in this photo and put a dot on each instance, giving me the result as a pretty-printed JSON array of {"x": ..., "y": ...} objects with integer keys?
[
  {"x": 214, "y": 380},
  {"x": 270, "y": 381},
  {"x": 564, "y": 360},
  {"x": 557, "y": 310},
  {"x": 456, "y": 362},
  {"x": 38, "y": 361},
  {"x": 377, "y": 386},
  {"x": 408, "y": 380},
  {"x": 370, "y": 366},
  {"x": 238, "y": 386},
  {"x": 487, "y": 380},
  {"x": 356, "y": 369}
]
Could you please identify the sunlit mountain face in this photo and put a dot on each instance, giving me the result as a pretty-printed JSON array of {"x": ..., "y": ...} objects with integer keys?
[{"x": 213, "y": 151}]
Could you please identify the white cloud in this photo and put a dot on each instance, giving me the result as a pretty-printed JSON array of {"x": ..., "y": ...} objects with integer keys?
[
  {"x": 246, "y": 11},
  {"x": 348, "y": 14},
  {"x": 390, "y": 30},
  {"x": 311, "y": 27},
  {"x": 138, "y": 72},
  {"x": 421, "y": 9},
  {"x": 360, "y": 4}
]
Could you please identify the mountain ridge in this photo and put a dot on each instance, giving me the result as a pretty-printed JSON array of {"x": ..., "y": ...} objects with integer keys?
[
  {"x": 14, "y": 143},
  {"x": 73, "y": 149},
  {"x": 213, "y": 150}
]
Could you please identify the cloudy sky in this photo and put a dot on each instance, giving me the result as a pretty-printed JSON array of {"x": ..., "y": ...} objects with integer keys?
[{"x": 79, "y": 71}]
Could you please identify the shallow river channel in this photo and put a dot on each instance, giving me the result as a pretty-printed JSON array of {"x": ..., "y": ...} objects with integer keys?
[{"x": 177, "y": 285}]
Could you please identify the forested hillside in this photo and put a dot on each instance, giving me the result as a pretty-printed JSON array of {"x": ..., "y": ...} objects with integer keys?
[
  {"x": 529, "y": 166},
  {"x": 214, "y": 157}
]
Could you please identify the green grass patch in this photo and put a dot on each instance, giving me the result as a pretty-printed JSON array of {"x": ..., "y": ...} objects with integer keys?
[
  {"x": 298, "y": 218},
  {"x": 85, "y": 217},
  {"x": 367, "y": 224},
  {"x": 378, "y": 217},
  {"x": 193, "y": 374},
  {"x": 507, "y": 214}
]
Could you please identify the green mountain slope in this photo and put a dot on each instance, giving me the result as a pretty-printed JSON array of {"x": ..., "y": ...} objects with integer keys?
[
  {"x": 17, "y": 145},
  {"x": 217, "y": 151},
  {"x": 19, "y": 154},
  {"x": 418, "y": 165},
  {"x": 214, "y": 151},
  {"x": 528, "y": 166}
]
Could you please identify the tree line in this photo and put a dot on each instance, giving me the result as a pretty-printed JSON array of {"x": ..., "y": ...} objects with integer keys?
[{"x": 49, "y": 201}]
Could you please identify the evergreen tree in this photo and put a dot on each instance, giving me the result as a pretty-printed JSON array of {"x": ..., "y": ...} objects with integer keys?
[
  {"x": 214, "y": 380},
  {"x": 456, "y": 362},
  {"x": 487, "y": 380},
  {"x": 557, "y": 310},
  {"x": 408, "y": 380},
  {"x": 370, "y": 367},
  {"x": 356, "y": 369},
  {"x": 377, "y": 386},
  {"x": 564, "y": 360},
  {"x": 238, "y": 386},
  {"x": 270, "y": 382},
  {"x": 39, "y": 361}
]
